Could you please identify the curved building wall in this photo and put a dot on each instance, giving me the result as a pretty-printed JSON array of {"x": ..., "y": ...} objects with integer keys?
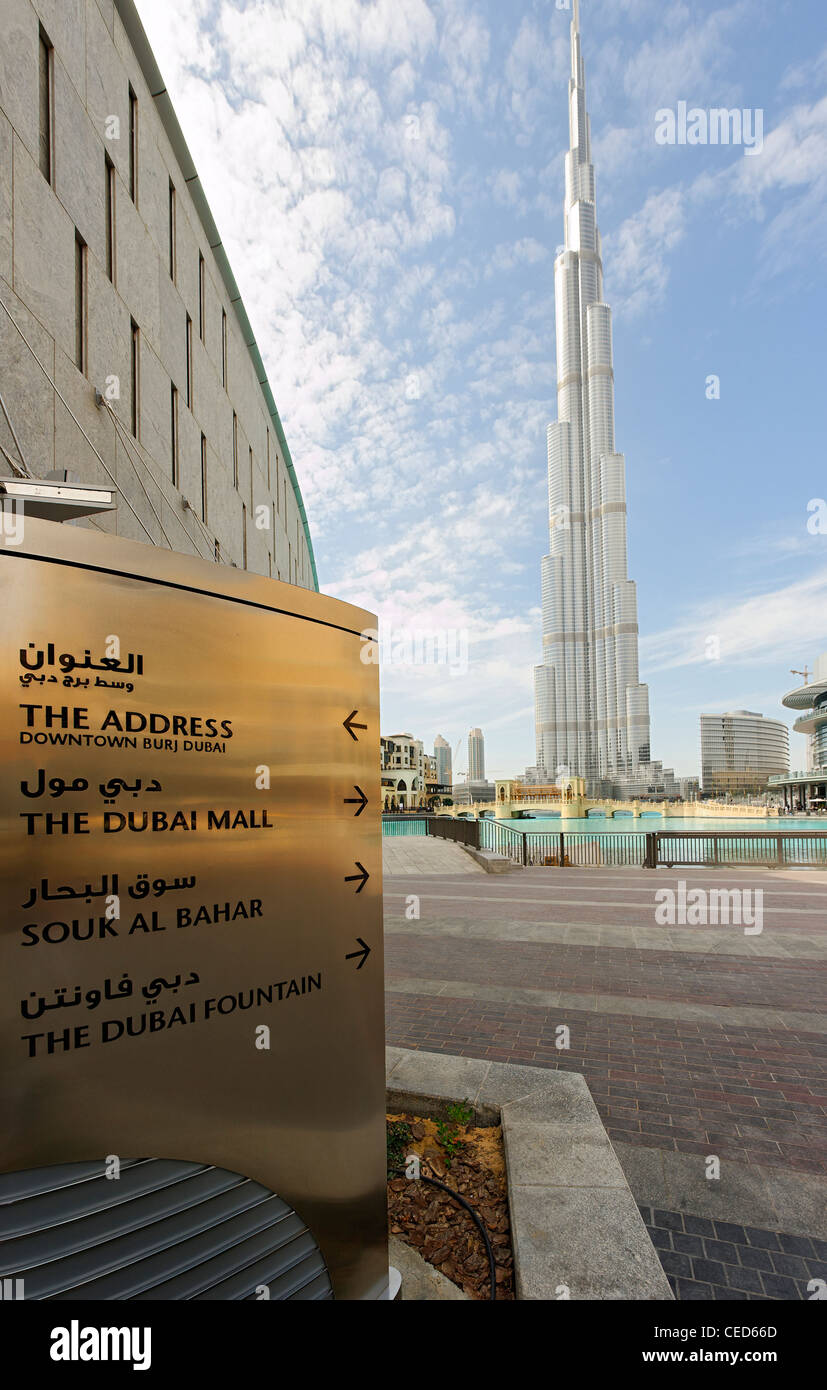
[
  {"x": 740, "y": 750},
  {"x": 818, "y": 752},
  {"x": 818, "y": 738},
  {"x": 114, "y": 279}
]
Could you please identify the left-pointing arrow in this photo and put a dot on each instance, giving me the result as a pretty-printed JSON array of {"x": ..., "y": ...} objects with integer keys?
[
  {"x": 361, "y": 878},
  {"x": 361, "y": 801},
  {"x": 364, "y": 953},
  {"x": 350, "y": 725}
]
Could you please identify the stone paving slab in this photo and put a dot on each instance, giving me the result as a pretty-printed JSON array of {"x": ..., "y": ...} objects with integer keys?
[
  {"x": 406, "y": 855},
  {"x": 421, "y": 1282},
  {"x": 754, "y": 1196},
  {"x": 497, "y": 922},
  {"x": 576, "y": 1229}
]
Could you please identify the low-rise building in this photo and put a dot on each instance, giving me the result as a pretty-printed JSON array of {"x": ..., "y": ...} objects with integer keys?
[
  {"x": 403, "y": 772},
  {"x": 410, "y": 776},
  {"x": 650, "y": 779},
  {"x": 465, "y": 793}
]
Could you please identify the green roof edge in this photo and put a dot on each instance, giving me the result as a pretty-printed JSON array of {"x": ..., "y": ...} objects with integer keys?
[{"x": 136, "y": 33}]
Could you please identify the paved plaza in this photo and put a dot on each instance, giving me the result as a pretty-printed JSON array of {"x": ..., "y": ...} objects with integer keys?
[{"x": 695, "y": 1041}]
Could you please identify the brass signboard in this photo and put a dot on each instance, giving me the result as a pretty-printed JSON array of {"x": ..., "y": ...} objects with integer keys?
[{"x": 191, "y": 880}]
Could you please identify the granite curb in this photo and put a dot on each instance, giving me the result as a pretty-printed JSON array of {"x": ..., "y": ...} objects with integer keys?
[{"x": 576, "y": 1229}]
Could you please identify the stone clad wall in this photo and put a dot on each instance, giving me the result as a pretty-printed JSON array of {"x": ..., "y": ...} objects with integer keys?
[{"x": 94, "y": 65}]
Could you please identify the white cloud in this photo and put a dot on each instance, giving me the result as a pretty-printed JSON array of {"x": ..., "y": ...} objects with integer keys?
[
  {"x": 793, "y": 166},
  {"x": 380, "y": 171},
  {"x": 637, "y": 253},
  {"x": 505, "y": 187},
  {"x": 508, "y": 255},
  {"x": 755, "y": 628}
]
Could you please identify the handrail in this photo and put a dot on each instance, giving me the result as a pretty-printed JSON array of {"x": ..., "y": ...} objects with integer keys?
[
  {"x": 637, "y": 848},
  {"x": 743, "y": 834}
]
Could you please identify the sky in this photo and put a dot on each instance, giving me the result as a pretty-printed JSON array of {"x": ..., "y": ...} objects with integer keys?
[{"x": 387, "y": 177}]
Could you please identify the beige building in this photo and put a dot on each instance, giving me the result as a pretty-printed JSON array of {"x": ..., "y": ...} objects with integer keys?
[
  {"x": 740, "y": 751},
  {"x": 404, "y": 772},
  {"x": 126, "y": 353}
]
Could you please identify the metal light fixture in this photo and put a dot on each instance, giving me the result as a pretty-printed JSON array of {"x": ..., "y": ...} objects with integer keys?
[{"x": 57, "y": 497}]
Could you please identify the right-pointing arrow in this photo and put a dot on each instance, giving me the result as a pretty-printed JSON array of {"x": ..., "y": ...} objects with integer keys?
[
  {"x": 361, "y": 878},
  {"x": 359, "y": 955},
  {"x": 361, "y": 801}
]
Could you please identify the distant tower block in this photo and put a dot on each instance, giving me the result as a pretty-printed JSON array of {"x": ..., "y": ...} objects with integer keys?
[
  {"x": 476, "y": 756},
  {"x": 442, "y": 756}
]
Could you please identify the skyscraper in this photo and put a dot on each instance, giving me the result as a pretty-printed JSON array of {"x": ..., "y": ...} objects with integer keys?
[
  {"x": 476, "y": 756},
  {"x": 592, "y": 713},
  {"x": 442, "y": 754}
]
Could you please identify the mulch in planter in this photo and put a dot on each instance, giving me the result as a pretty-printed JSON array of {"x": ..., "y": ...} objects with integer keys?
[{"x": 437, "y": 1226}]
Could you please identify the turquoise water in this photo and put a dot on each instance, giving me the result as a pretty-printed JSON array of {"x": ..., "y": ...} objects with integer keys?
[{"x": 605, "y": 825}]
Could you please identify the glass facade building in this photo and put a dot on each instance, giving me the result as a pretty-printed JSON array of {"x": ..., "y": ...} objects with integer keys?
[
  {"x": 591, "y": 710},
  {"x": 740, "y": 751}
]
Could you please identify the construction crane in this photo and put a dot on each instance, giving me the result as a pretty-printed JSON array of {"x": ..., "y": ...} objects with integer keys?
[
  {"x": 455, "y": 755},
  {"x": 805, "y": 673}
]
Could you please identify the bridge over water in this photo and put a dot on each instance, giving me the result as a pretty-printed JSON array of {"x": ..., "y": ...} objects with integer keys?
[{"x": 570, "y": 801}]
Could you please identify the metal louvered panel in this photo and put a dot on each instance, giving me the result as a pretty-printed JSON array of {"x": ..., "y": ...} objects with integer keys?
[
  {"x": 33, "y": 1181},
  {"x": 162, "y": 1230},
  {"x": 99, "y": 1195},
  {"x": 79, "y": 1231}
]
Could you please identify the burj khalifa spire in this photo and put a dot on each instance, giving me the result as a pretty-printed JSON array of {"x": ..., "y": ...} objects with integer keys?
[{"x": 592, "y": 713}]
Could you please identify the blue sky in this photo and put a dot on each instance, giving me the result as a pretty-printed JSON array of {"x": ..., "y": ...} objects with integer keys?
[{"x": 388, "y": 178}]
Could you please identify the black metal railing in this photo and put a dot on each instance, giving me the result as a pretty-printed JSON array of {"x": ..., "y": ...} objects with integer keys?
[
  {"x": 463, "y": 832},
  {"x": 503, "y": 839},
  {"x": 393, "y": 826},
  {"x": 637, "y": 848},
  {"x": 792, "y": 848}
]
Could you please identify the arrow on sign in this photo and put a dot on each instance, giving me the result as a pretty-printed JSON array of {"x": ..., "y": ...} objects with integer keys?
[
  {"x": 361, "y": 801},
  {"x": 361, "y": 877},
  {"x": 350, "y": 726},
  {"x": 364, "y": 953}
]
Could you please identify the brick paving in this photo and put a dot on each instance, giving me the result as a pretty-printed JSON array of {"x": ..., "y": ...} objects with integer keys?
[
  {"x": 760, "y": 1097},
  {"x": 706, "y": 979},
  {"x": 477, "y": 976},
  {"x": 706, "y": 1259}
]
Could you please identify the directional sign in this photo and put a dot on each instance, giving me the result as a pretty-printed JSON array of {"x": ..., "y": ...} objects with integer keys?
[
  {"x": 361, "y": 878},
  {"x": 178, "y": 856},
  {"x": 361, "y": 800},
  {"x": 361, "y": 955},
  {"x": 350, "y": 725}
]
